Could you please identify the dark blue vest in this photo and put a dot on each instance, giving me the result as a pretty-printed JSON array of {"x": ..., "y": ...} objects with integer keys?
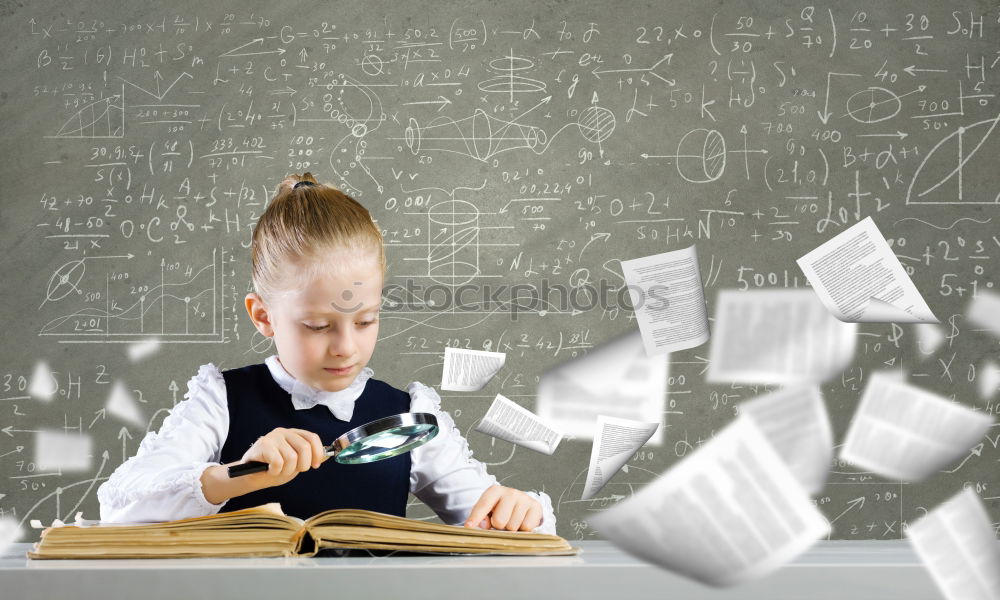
[{"x": 257, "y": 404}]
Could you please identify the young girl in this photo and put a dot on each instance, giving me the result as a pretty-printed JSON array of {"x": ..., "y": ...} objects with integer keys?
[{"x": 318, "y": 268}]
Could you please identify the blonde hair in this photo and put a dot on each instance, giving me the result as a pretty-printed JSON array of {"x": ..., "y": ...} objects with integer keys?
[{"x": 301, "y": 224}]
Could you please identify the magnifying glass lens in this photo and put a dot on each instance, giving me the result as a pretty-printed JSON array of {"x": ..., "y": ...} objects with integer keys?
[{"x": 386, "y": 444}]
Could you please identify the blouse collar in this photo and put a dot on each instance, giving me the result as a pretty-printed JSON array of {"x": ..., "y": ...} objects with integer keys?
[{"x": 340, "y": 403}]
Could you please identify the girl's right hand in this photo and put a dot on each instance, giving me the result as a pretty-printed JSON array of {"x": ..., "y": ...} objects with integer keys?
[{"x": 287, "y": 452}]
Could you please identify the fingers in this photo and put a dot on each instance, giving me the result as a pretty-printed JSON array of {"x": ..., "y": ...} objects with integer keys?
[
  {"x": 517, "y": 515},
  {"x": 483, "y": 506},
  {"x": 533, "y": 518},
  {"x": 502, "y": 511},
  {"x": 290, "y": 451}
]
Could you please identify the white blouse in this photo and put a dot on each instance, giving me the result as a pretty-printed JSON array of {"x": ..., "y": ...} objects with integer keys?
[{"x": 163, "y": 480}]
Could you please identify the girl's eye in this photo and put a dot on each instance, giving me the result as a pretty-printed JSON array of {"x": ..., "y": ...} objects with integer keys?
[
  {"x": 320, "y": 328},
  {"x": 366, "y": 323}
]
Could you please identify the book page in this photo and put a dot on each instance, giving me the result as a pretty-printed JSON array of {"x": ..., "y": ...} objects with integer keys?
[
  {"x": 668, "y": 300},
  {"x": 900, "y": 431},
  {"x": 860, "y": 280},
  {"x": 616, "y": 441},
  {"x": 571, "y": 397},
  {"x": 469, "y": 370},
  {"x": 729, "y": 512},
  {"x": 777, "y": 336},
  {"x": 795, "y": 421},
  {"x": 956, "y": 543},
  {"x": 513, "y": 423}
]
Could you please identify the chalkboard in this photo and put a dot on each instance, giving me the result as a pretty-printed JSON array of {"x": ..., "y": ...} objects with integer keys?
[{"x": 496, "y": 145}]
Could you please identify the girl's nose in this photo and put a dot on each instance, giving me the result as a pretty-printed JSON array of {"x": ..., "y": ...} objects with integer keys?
[{"x": 342, "y": 344}]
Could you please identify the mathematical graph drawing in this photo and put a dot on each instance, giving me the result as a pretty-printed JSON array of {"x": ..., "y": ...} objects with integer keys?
[
  {"x": 101, "y": 119},
  {"x": 188, "y": 309},
  {"x": 873, "y": 105},
  {"x": 980, "y": 162}
]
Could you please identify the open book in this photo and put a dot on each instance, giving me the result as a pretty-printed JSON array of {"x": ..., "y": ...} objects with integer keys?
[{"x": 266, "y": 531}]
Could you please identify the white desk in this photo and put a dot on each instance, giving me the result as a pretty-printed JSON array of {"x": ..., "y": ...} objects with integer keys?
[{"x": 834, "y": 569}]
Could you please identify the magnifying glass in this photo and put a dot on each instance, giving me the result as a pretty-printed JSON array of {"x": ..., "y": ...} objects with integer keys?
[{"x": 375, "y": 440}]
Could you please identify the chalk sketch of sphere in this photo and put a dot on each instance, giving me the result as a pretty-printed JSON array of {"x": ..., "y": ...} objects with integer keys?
[
  {"x": 701, "y": 156},
  {"x": 64, "y": 281},
  {"x": 372, "y": 64},
  {"x": 596, "y": 124},
  {"x": 453, "y": 260},
  {"x": 873, "y": 105}
]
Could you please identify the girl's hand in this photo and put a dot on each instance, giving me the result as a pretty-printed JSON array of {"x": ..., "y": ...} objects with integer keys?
[
  {"x": 505, "y": 508},
  {"x": 287, "y": 452}
]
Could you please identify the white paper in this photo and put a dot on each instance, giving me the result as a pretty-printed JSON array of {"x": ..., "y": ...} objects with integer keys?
[
  {"x": 859, "y": 279},
  {"x": 469, "y": 370},
  {"x": 513, "y": 423},
  {"x": 983, "y": 312},
  {"x": 729, "y": 512},
  {"x": 988, "y": 379},
  {"x": 10, "y": 532},
  {"x": 122, "y": 404},
  {"x": 777, "y": 336},
  {"x": 614, "y": 444},
  {"x": 900, "y": 431},
  {"x": 795, "y": 421},
  {"x": 142, "y": 350},
  {"x": 62, "y": 451},
  {"x": 669, "y": 301},
  {"x": 930, "y": 336},
  {"x": 43, "y": 385},
  {"x": 571, "y": 398},
  {"x": 956, "y": 543}
]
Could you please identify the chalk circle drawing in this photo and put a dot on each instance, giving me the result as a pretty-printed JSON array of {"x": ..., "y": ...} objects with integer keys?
[{"x": 873, "y": 105}]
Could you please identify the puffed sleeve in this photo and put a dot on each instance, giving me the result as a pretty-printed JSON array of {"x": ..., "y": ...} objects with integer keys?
[
  {"x": 445, "y": 476},
  {"x": 162, "y": 482}
]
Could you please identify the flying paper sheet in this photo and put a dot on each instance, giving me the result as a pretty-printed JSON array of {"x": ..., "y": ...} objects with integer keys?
[
  {"x": 859, "y": 279},
  {"x": 729, "y": 512},
  {"x": 513, "y": 423},
  {"x": 615, "y": 379},
  {"x": 616, "y": 441},
  {"x": 983, "y": 312},
  {"x": 777, "y": 336},
  {"x": 794, "y": 420},
  {"x": 57, "y": 450},
  {"x": 469, "y": 370},
  {"x": 900, "y": 431},
  {"x": 956, "y": 543},
  {"x": 668, "y": 299}
]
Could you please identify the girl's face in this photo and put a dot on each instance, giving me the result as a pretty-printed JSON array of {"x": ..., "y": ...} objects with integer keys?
[{"x": 325, "y": 330}]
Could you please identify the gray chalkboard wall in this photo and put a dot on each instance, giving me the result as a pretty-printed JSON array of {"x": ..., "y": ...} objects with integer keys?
[{"x": 495, "y": 144}]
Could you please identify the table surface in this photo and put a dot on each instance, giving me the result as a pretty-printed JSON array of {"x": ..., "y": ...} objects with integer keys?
[{"x": 830, "y": 569}]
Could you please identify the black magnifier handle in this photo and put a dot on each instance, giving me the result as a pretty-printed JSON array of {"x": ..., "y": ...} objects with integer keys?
[{"x": 253, "y": 466}]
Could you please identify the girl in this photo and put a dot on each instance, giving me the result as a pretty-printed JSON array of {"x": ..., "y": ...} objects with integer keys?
[{"x": 318, "y": 267}]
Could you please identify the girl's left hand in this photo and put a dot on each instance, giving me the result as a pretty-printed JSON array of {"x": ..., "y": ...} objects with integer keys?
[{"x": 505, "y": 508}]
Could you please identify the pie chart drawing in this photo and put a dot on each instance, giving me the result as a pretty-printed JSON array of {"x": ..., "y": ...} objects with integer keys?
[{"x": 957, "y": 169}]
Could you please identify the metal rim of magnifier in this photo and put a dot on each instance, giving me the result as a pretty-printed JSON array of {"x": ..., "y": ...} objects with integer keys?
[
  {"x": 358, "y": 434},
  {"x": 378, "y": 426}
]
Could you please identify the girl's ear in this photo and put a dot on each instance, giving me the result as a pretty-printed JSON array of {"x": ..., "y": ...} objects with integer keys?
[{"x": 262, "y": 319}]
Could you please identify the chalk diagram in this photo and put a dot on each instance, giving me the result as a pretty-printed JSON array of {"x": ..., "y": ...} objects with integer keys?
[
  {"x": 700, "y": 156},
  {"x": 621, "y": 487},
  {"x": 187, "y": 309},
  {"x": 508, "y": 81},
  {"x": 359, "y": 109},
  {"x": 104, "y": 118},
  {"x": 482, "y": 136},
  {"x": 873, "y": 105},
  {"x": 969, "y": 150}
]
